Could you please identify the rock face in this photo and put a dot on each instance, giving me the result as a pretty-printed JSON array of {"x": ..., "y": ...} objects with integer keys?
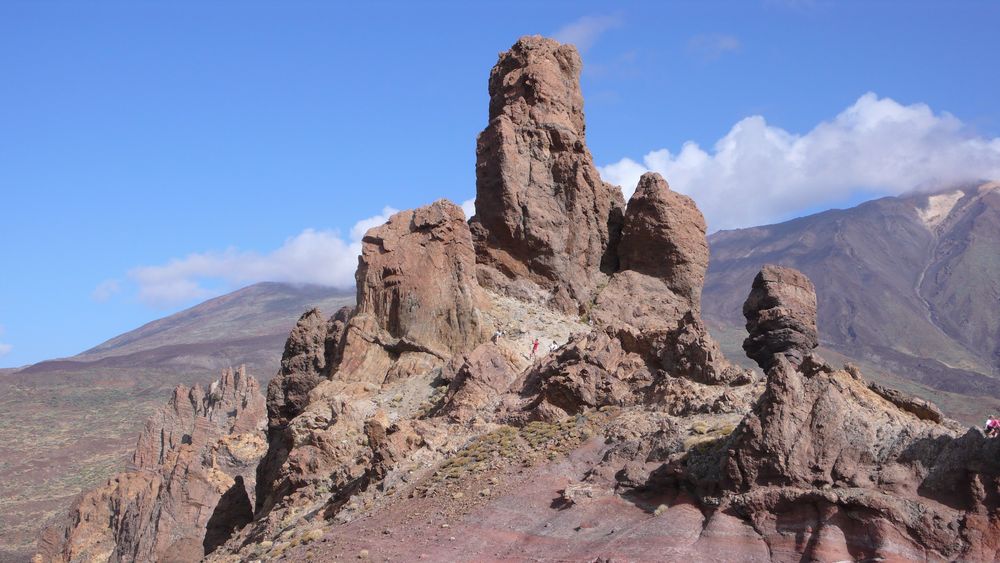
[
  {"x": 478, "y": 381},
  {"x": 418, "y": 298},
  {"x": 781, "y": 317},
  {"x": 189, "y": 488},
  {"x": 664, "y": 237},
  {"x": 653, "y": 301},
  {"x": 542, "y": 212},
  {"x": 304, "y": 365}
]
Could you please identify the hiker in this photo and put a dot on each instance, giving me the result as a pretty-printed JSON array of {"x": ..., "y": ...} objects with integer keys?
[
  {"x": 534, "y": 347},
  {"x": 992, "y": 427},
  {"x": 497, "y": 335}
]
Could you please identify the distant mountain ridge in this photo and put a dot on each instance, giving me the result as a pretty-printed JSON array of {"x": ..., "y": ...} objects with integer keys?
[
  {"x": 910, "y": 282},
  {"x": 69, "y": 423}
]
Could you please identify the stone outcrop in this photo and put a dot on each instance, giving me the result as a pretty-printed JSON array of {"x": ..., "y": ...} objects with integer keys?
[
  {"x": 590, "y": 371},
  {"x": 476, "y": 383},
  {"x": 653, "y": 302},
  {"x": 418, "y": 299},
  {"x": 304, "y": 365},
  {"x": 542, "y": 211},
  {"x": 864, "y": 471},
  {"x": 781, "y": 317},
  {"x": 189, "y": 488}
]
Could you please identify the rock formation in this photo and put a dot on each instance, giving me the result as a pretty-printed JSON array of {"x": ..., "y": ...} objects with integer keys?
[
  {"x": 543, "y": 214},
  {"x": 653, "y": 301},
  {"x": 477, "y": 382},
  {"x": 189, "y": 488},
  {"x": 781, "y": 317},
  {"x": 631, "y": 437},
  {"x": 418, "y": 298}
]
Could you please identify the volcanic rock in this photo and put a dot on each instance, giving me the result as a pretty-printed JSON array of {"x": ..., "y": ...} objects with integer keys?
[
  {"x": 542, "y": 212},
  {"x": 781, "y": 317},
  {"x": 190, "y": 486},
  {"x": 591, "y": 370},
  {"x": 664, "y": 237},
  {"x": 418, "y": 298},
  {"x": 653, "y": 303},
  {"x": 478, "y": 381},
  {"x": 303, "y": 366}
]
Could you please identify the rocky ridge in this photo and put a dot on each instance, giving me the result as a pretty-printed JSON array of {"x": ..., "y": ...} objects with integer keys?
[
  {"x": 189, "y": 486},
  {"x": 395, "y": 430}
]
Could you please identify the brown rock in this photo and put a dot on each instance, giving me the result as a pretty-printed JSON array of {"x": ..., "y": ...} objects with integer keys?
[
  {"x": 591, "y": 370},
  {"x": 542, "y": 212},
  {"x": 664, "y": 237},
  {"x": 653, "y": 304},
  {"x": 190, "y": 486},
  {"x": 418, "y": 298},
  {"x": 478, "y": 382},
  {"x": 781, "y": 317},
  {"x": 303, "y": 366}
]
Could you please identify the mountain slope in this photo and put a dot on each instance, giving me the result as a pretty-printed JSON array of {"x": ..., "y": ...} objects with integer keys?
[
  {"x": 908, "y": 282},
  {"x": 69, "y": 423}
]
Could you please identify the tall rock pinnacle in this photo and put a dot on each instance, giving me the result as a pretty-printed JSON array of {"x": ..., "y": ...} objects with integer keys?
[
  {"x": 781, "y": 317},
  {"x": 542, "y": 211}
]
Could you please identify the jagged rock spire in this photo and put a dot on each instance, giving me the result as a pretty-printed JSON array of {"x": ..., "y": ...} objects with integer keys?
[{"x": 542, "y": 211}]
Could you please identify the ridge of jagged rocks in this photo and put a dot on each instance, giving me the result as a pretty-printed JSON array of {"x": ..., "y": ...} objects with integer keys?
[
  {"x": 190, "y": 483},
  {"x": 631, "y": 437}
]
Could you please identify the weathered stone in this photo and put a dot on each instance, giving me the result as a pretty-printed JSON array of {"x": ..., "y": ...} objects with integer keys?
[
  {"x": 664, "y": 237},
  {"x": 781, "y": 317},
  {"x": 189, "y": 487},
  {"x": 653, "y": 304},
  {"x": 477, "y": 383},
  {"x": 542, "y": 211},
  {"x": 418, "y": 298}
]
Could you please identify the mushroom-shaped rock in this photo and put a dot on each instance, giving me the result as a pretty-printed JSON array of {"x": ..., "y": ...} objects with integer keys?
[{"x": 781, "y": 317}]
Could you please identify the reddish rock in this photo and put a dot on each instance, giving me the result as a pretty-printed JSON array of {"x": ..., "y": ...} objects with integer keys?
[
  {"x": 664, "y": 237},
  {"x": 303, "y": 366},
  {"x": 542, "y": 212},
  {"x": 477, "y": 383},
  {"x": 189, "y": 488},
  {"x": 653, "y": 303},
  {"x": 418, "y": 299},
  {"x": 781, "y": 317},
  {"x": 590, "y": 371}
]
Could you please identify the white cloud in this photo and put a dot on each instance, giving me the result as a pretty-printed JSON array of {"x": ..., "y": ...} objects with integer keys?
[
  {"x": 469, "y": 207},
  {"x": 711, "y": 46},
  {"x": 105, "y": 290},
  {"x": 317, "y": 257},
  {"x": 585, "y": 31},
  {"x": 758, "y": 173}
]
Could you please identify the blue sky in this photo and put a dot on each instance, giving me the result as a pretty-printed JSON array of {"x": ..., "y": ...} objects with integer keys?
[{"x": 154, "y": 154}]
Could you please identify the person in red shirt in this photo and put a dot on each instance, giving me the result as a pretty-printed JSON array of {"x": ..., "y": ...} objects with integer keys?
[{"x": 534, "y": 347}]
